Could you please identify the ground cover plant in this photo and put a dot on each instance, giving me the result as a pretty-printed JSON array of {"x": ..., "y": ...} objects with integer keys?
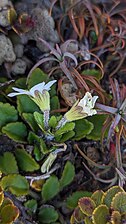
[{"x": 63, "y": 112}]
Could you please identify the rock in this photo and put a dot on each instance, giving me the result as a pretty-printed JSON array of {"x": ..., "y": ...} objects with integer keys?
[
  {"x": 44, "y": 28},
  {"x": 68, "y": 94},
  {"x": 4, "y": 3},
  {"x": 72, "y": 47},
  {"x": 4, "y": 6},
  {"x": 19, "y": 50},
  {"x": 6, "y": 50},
  {"x": 19, "y": 67}
]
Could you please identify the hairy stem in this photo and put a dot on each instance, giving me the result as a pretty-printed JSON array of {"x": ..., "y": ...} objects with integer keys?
[
  {"x": 61, "y": 123},
  {"x": 46, "y": 119}
]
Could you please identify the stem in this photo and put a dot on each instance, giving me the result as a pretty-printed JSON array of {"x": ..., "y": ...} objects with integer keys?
[
  {"x": 61, "y": 123},
  {"x": 118, "y": 151},
  {"x": 105, "y": 108},
  {"x": 46, "y": 119},
  {"x": 42, "y": 177}
]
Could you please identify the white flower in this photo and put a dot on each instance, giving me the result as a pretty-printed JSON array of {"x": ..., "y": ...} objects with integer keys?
[
  {"x": 88, "y": 103},
  {"x": 38, "y": 93},
  {"x": 39, "y": 88},
  {"x": 79, "y": 110},
  {"x": 82, "y": 109}
]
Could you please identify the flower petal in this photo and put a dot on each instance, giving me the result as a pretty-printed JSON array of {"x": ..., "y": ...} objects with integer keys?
[
  {"x": 14, "y": 94},
  {"x": 49, "y": 84},
  {"x": 39, "y": 87},
  {"x": 94, "y": 100},
  {"x": 19, "y": 92}
]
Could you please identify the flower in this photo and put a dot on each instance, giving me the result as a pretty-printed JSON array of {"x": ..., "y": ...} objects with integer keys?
[
  {"x": 79, "y": 110},
  {"x": 38, "y": 93},
  {"x": 88, "y": 103},
  {"x": 39, "y": 88},
  {"x": 83, "y": 108}
]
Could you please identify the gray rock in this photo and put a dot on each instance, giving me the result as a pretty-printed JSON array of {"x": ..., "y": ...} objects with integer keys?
[
  {"x": 44, "y": 28},
  {"x": 19, "y": 67},
  {"x": 4, "y": 3},
  {"x": 6, "y": 50},
  {"x": 19, "y": 50},
  {"x": 4, "y": 6}
]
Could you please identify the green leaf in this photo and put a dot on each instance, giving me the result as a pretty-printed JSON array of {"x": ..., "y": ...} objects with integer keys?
[
  {"x": 52, "y": 122},
  {"x": 25, "y": 160},
  {"x": 17, "y": 131},
  {"x": 53, "y": 91},
  {"x": 33, "y": 138},
  {"x": 54, "y": 103},
  {"x": 116, "y": 217},
  {"x": 37, "y": 154},
  {"x": 100, "y": 215},
  {"x": 36, "y": 77},
  {"x": 6, "y": 201},
  {"x": 67, "y": 175},
  {"x": 31, "y": 205},
  {"x": 39, "y": 119},
  {"x": 29, "y": 118},
  {"x": 15, "y": 183},
  {"x": 110, "y": 193},
  {"x": 98, "y": 121},
  {"x": 93, "y": 72},
  {"x": 67, "y": 136},
  {"x": 86, "y": 205},
  {"x": 72, "y": 200},
  {"x": 1, "y": 197},
  {"x": 67, "y": 127},
  {"x": 7, "y": 114},
  {"x": 8, "y": 168},
  {"x": 94, "y": 37},
  {"x": 26, "y": 105},
  {"x": 77, "y": 216},
  {"x": 119, "y": 202},
  {"x": 87, "y": 220},
  {"x": 9, "y": 214},
  {"x": 50, "y": 188},
  {"x": 21, "y": 83},
  {"x": 43, "y": 147},
  {"x": 47, "y": 214},
  {"x": 82, "y": 128},
  {"x": 97, "y": 197}
]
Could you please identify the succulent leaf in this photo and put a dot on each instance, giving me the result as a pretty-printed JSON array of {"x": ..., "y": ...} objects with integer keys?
[
  {"x": 86, "y": 205},
  {"x": 110, "y": 193},
  {"x": 119, "y": 202},
  {"x": 100, "y": 215}
]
